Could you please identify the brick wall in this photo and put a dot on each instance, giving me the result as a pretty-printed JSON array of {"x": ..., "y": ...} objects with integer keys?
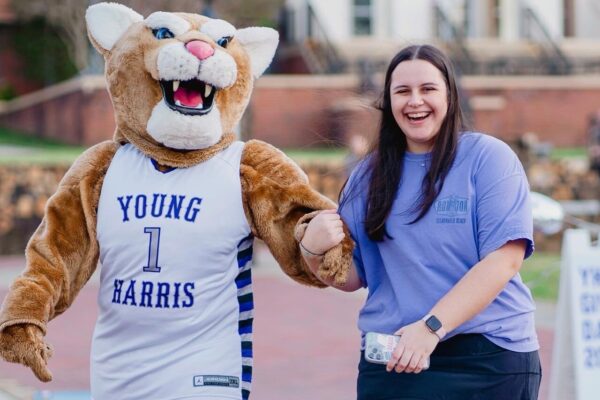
[
  {"x": 6, "y": 13},
  {"x": 76, "y": 112},
  {"x": 291, "y": 111},
  {"x": 557, "y": 109},
  {"x": 301, "y": 111}
]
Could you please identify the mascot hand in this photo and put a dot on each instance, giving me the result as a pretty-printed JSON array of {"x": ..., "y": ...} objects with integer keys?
[
  {"x": 336, "y": 263},
  {"x": 24, "y": 344}
]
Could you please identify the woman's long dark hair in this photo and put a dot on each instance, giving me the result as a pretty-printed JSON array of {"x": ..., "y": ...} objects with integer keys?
[{"x": 386, "y": 157}]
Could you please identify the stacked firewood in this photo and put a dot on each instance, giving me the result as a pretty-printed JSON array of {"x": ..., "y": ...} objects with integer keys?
[
  {"x": 564, "y": 179},
  {"x": 24, "y": 191}
]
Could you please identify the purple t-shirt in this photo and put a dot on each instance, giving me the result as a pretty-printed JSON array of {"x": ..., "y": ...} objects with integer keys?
[{"x": 484, "y": 204}]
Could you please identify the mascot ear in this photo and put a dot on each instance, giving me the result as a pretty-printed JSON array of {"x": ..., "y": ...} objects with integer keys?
[
  {"x": 260, "y": 43},
  {"x": 107, "y": 22}
]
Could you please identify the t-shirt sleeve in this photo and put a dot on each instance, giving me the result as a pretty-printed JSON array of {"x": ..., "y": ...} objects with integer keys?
[
  {"x": 358, "y": 264},
  {"x": 503, "y": 201},
  {"x": 349, "y": 211}
]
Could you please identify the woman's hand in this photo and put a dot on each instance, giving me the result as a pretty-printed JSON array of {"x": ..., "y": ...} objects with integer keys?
[
  {"x": 415, "y": 346},
  {"x": 322, "y": 233}
]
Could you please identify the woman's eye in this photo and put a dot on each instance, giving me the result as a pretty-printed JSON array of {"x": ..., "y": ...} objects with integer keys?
[
  {"x": 224, "y": 41},
  {"x": 162, "y": 33}
]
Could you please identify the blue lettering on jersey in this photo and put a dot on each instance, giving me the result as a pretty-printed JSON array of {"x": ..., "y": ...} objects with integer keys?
[
  {"x": 157, "y": 212},
  {"x": 125, "y": 206},
  {"x": 176, "y": 207},
  {"x": 153, "y": 294}
]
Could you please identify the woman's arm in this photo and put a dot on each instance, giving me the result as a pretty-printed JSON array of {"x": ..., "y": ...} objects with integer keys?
[
  {"x": 475, "y": 291},
  {"x": 480, "y": 286},
  {"x": 323, "y": 232}
]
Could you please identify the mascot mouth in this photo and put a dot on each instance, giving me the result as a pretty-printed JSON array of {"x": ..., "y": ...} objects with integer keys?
[{"x": 193, "y": 97}]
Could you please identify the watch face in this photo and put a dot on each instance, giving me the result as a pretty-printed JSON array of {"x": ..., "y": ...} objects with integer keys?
[{"x": 433, "y": 323}]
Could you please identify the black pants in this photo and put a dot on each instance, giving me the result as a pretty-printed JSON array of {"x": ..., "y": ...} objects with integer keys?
[{"x": 464, "y": 367}]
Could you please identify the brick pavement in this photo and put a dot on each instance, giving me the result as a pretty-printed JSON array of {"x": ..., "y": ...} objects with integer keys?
[{"x": 306, "y": 340}]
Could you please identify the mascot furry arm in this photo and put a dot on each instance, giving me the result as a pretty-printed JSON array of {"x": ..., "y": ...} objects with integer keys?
[{"x": 179, "y": 83}]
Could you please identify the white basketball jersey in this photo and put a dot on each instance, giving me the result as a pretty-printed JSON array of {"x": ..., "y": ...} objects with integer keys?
[{"x": 175, "y": 295}]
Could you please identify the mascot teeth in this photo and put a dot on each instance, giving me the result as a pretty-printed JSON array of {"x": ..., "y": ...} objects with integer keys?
[{"x": 193, "y": 97}]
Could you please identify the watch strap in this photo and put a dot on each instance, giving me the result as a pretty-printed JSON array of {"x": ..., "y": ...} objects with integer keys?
[{"x": 440, "y": 332}]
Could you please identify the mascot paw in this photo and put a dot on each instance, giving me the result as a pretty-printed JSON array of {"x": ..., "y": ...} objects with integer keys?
[
  {"x": 24, "y": 344},
  {"x": 336, "y": 262}
]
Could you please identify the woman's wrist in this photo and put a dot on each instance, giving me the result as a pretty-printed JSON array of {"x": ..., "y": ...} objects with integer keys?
[
  {"x": 313, "y": 261},
  {"x": 308, "y": 252}
]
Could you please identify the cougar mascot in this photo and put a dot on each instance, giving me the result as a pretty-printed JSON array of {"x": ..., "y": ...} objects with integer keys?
[{"x": 170, "y": 208}]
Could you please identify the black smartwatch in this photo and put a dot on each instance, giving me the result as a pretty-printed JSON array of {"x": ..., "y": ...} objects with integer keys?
[{"x": 434, "y": 325}]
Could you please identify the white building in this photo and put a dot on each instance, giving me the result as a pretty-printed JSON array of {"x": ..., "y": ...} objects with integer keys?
[{"x": 483, "y": 30}]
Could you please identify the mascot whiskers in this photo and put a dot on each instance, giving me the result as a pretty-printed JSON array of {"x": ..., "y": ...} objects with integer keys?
[{"x": 170, "y": 208}]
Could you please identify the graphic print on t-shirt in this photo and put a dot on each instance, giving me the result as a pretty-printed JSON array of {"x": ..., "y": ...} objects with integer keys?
[{"x": 451, "y": 210}]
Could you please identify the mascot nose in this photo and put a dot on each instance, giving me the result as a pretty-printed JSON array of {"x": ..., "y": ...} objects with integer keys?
[{"x": 200, "y": 49}]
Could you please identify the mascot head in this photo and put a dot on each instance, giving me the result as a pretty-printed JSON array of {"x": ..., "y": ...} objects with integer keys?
[{"x": 179, "y": 82}]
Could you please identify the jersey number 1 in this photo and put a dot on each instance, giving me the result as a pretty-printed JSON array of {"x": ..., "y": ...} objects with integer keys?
[{"x": 152, "y": 265}]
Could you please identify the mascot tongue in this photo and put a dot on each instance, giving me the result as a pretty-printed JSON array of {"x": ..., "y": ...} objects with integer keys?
[{"x": 188, "y": 97}]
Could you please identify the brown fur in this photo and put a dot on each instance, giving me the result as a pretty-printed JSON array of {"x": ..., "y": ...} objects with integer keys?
[
  {"x": 276, "y": 196},
  {"x": 133, "y": 103},
  {"x": 63, "y": 252},
  {"x": 61, "y": 256}
]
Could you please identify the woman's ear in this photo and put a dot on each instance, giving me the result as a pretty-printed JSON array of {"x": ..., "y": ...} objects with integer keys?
[{"x": 107, "y": 22}]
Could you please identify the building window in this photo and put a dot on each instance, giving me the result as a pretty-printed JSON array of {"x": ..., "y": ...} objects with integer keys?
[{"x": 362, "y": 17}]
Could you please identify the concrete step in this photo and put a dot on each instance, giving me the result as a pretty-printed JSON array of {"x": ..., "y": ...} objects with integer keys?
[{"x": 10, "y": 389}]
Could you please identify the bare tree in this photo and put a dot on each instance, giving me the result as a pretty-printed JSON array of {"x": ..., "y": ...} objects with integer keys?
[
  {"x": 243, "y": 13},
  {"x": 147, "y": 7},
  {"x": 239, "y": 12},
  {"x": 67, "y": 16}
]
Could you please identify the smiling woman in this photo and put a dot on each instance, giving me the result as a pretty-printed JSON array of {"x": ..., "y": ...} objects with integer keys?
[
  {"x": 442, "y": 221},
  {"x": 419, "y": 101}
]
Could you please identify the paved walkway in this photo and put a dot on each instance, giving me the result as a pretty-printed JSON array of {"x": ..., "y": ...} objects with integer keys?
[{"x": 306, "y": 341}]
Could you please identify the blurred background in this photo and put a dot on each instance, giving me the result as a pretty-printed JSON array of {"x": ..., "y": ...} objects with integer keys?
[{"x": 529, "y": 75}]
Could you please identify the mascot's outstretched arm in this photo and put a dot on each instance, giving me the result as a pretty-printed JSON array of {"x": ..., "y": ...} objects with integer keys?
[
  {"x": 61, "y": 257},
  {"x": 277, "y": 196}
]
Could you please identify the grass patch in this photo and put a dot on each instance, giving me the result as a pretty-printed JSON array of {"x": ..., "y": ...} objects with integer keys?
[
  {"x": 17, "y": 148},
  {"x": 42, "y": 157},
  {"x": 317, "y": 154},
  {"x": 568, "y": 152},
  {"x": 541, "y": 273},
  {"x": 9, "y": 137}
]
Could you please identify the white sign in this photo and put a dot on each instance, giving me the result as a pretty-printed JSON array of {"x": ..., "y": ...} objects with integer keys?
[{"x": 576, "y": 355}]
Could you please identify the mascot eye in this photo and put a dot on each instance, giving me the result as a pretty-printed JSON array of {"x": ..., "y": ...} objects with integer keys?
[
  {"x": 162, "y": 33},
  {"x": 224, "y": 41}
]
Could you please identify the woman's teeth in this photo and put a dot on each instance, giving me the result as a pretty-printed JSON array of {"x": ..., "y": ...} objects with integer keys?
[{"x": 420, "y": 115}]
